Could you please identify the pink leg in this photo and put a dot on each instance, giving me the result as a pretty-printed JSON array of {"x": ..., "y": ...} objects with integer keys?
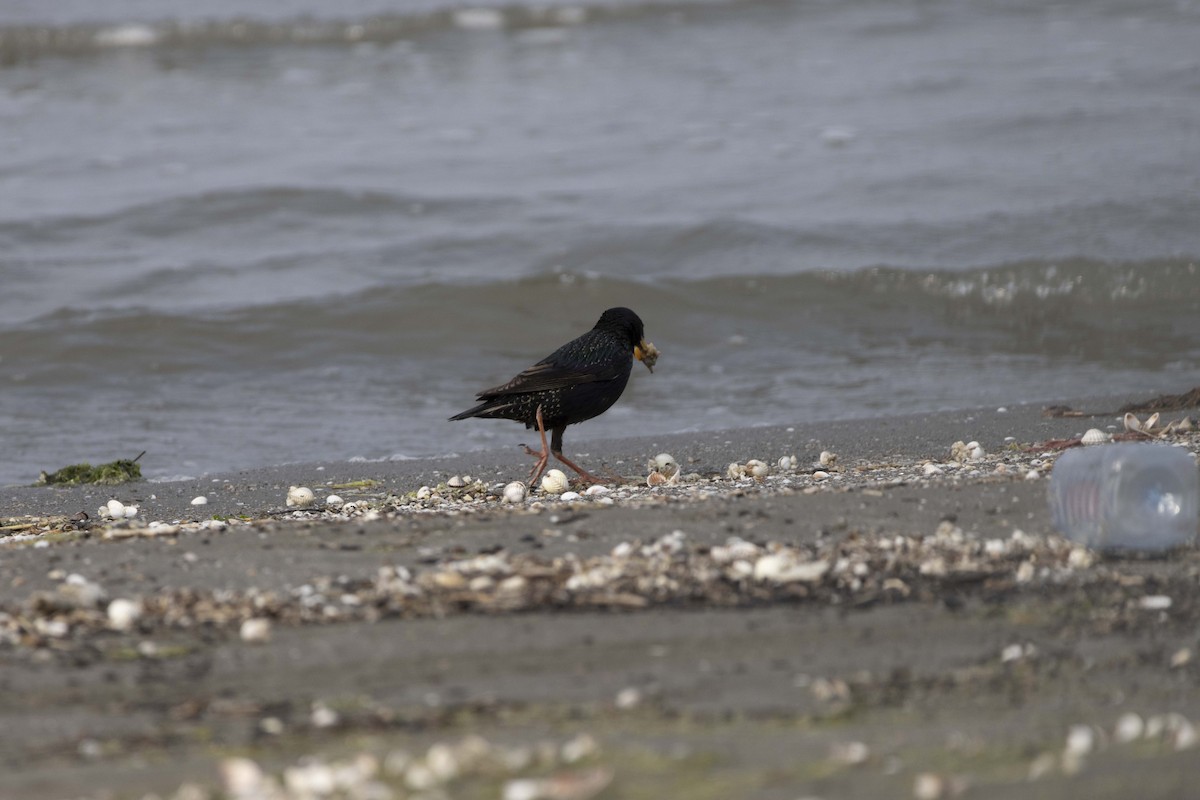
[{"x": 543, "y": 457}]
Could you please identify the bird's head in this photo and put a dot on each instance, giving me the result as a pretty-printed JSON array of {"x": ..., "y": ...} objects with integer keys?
[{"x": 629, "y": 325}]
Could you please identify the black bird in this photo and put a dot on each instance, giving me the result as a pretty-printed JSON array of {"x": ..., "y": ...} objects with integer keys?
[{"x": 576, "y": 382}]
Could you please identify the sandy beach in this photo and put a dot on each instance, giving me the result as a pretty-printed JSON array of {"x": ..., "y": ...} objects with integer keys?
[{"x": 890, "y": 623}]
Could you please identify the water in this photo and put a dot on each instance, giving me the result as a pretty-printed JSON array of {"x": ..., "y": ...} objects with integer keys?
[{"x": 277, "y": 231}]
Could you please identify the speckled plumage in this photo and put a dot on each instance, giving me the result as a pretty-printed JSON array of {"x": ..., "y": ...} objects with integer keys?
[{"x": 578, "y": 381}]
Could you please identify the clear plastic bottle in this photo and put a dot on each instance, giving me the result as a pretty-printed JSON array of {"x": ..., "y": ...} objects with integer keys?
[{"x": 1127, "y": 496}]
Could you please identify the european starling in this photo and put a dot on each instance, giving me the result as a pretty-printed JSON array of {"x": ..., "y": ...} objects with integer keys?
[{"x": 578, "y": 381}]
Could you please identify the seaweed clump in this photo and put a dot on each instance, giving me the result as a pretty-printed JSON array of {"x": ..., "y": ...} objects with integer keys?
[{"x": 114, "y": 472}]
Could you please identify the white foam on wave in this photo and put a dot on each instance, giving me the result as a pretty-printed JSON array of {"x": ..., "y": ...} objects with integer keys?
[
  {"x": 129, "y": 35},
  {"x": 479, "y": 19}
]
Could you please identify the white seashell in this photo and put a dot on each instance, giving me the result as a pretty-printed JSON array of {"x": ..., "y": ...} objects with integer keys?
[
  {"x": 122, "y": 613},
  {"x": 200, "y": 501},
  {"x": 820, "y": 475},
  {"x": 424, "y": 493},
  {"x": 456, "y": 482},
  {"x": 131, "y": 512},
  {"x": 300, "y": 497},
  {"x": 932, "y": 469},
  {"x": 785, "y": 569},
  {"x": 1081, "y": 740},
  {"x": 571, "y": 496},
  {"x": 597, "y": 489},
  {"x": 666, "y": 464},
  {"x": 514, "y": 492},
  {"x": 554, "y": 482},
  {"x": 1132, "y": 423},
  {"x": 975, "y": 451},
  {"x": 114, "y": 509},
  {"x": 1095, "y": 436},
  {"x": 735, "y": 471},
  {"x": 333, "y": 501},
  {"x": 242, "y": 777},
  {"x": 827, "y": 458},
  {"x": 1129, "y": 728},
  {"x": 757, "y": 469},
  {"x": 255, "y": 629},
  {"x": 787, "y": 463}
]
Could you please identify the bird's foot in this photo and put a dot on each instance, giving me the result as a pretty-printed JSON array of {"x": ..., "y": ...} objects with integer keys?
[
  {"x": 584, "y": 475},
  {"x": 543, "y": 458}
]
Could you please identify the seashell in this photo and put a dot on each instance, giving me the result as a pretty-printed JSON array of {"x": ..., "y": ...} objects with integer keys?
[
  {"x": 200, "y": 501},
  {"x": 131, "y": 512},
  {"x": 1151, "y": 423},
  {"x": 1095, "y": 436},
  {"x": 735, "y": 471},
  {"x": 787, "y": 463},
  {"x": 554, "y": 482},
  {"x": 975, "y": 451},
  {"x": 122, "y": 613},
  {"x": 757, "y": 469},
  {"x": 333, "y": 501},
  {"x": 656, "y": 479},
  {"x": 568, "y": 496},
  {"x": 1186, "y": 424},
  {"x": 1081, "y": 740},
  {"x": 514, "y": 492},
  {"x": 597, "y": 489},
  {"x": 1129, "y": 728},
  {"x": 1132, "y": 423},
  {"x": 114, "y": 509},
  {"x": 666, "y": 464},
  {"x": 827, "y": 459},
  {"x": 300, "y": 497},
  {"x": 424, "y": 493},
  {"x": 456, "y": 482},
  {"x": 783, "y": 568},
  {"x": 242, "y": 777},
  {"x": 649, "y": 355},
  {"x": 256, "y": 630}
]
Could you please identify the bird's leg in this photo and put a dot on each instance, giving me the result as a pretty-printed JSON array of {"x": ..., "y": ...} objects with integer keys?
[
  {"x": 542, "y": 457},
  {"x": 556, "y": 449}
]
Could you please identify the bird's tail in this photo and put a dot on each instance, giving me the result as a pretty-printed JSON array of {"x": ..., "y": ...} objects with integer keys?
[{"x": 480, "y": 410}]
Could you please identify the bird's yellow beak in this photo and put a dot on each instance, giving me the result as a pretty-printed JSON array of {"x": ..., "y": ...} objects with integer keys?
[{"x": 646, "y": 353}]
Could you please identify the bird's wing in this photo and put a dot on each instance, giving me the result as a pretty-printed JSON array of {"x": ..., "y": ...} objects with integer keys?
[{"x": 547, "y": 375}]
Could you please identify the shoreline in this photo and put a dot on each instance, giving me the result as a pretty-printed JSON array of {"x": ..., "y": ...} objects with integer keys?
[{"x": 260, "y": 490}]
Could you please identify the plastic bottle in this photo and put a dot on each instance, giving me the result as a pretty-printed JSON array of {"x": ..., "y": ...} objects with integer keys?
[{"x": 1127, "y": 496}]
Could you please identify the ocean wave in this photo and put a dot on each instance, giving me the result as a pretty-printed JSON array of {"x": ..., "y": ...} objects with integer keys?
[
  {"x": 1040, "y": 307},
  {"x": 378, "y": 24}
]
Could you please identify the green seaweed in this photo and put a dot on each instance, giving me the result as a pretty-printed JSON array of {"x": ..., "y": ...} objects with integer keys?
[{"x": 110, "y": 474}]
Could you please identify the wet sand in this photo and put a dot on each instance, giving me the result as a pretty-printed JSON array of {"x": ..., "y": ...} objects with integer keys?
[{"x": 967, "y": 682}]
